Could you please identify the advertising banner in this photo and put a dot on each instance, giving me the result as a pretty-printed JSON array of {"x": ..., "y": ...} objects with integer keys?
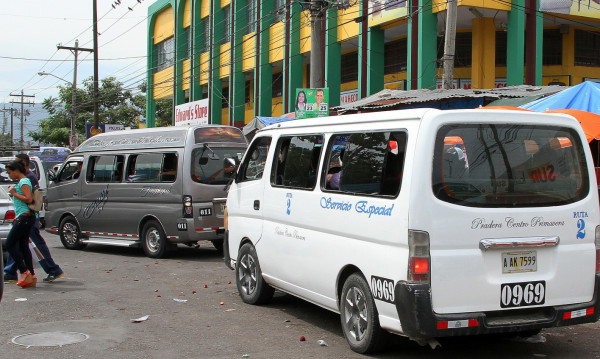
[
  {"x": 348, "y": 96},
  {"x": 312, "y": 103},
  {"x": 192, "y": 113},
  {"x": 584, "y": 8},
  {"x": 382, "y": 11}
]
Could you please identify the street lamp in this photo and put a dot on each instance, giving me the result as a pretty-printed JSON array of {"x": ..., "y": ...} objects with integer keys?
[{"x": 73, "y": 136}]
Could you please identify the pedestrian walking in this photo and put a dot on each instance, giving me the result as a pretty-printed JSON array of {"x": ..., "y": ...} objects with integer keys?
[
  {"x": 17, "y": 241},
  {"x": 52, "y": 269}
]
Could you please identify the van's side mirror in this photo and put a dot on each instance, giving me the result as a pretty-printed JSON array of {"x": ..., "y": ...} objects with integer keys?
[{"x": 51, "y": 175}]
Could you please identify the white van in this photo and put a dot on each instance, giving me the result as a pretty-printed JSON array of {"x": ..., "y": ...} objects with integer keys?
[
  {"x": 423, "y": 223},
  {"x": 153, "y": 188}
]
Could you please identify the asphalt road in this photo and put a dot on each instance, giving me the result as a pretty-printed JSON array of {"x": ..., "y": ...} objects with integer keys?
[{"x": 105, "y": 287}]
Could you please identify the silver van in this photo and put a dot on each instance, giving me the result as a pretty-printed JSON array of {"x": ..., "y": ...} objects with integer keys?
[{"x": 150, "y": 187}]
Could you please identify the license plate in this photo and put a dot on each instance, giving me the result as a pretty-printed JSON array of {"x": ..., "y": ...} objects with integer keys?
[
  {"x": 522, "y": 294},
  {"x": 516, "y": 262}
]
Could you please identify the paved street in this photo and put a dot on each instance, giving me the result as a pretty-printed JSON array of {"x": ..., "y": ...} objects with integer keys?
[{"x": 105, "y": 287}]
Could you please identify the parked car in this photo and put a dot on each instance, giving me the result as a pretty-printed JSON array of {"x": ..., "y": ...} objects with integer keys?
[
  {"x": 7, "y": 215},
  {"x": 36, "y": 166}
]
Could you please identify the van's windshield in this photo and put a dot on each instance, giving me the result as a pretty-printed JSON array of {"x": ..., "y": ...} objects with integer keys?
[
  {"x": 215, "y": 165},
  {"x": 483, "y": 165}
]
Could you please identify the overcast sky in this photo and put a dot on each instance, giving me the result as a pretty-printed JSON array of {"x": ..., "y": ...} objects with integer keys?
[{"x": 33, "y": 28}]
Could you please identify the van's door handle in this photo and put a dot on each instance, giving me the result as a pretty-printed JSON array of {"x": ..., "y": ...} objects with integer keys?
[
  {"x": 257, "y": 205},
  {"x": 74, "y": 193}
]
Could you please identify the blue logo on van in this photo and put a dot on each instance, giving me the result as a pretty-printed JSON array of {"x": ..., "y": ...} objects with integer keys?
[
  {"x": 288, "y": 203},
  {"x": 581, "y": 229}
]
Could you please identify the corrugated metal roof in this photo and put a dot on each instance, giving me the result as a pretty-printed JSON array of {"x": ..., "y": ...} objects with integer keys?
[{"x": 391, "y": 98}]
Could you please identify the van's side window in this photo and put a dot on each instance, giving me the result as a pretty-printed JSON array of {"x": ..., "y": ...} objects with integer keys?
[
  {"x": 105, "y": 169},
  {"x": 70, "y": 171},
  {"x": 152, "y": 167},
  {"x": 297, "y": 161},
  {"x": 254, "y": 162},
  {"x": 367, "y": 163}
]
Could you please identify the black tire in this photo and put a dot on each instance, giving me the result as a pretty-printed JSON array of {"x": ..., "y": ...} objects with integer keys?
[
  {"x": 154, "y": 240},
  {"x": 359, "y": 317},
  {"x": 218, "y": 244},
  {"x": 70, "y": 235},
  {"x": 250, "y": 284}
]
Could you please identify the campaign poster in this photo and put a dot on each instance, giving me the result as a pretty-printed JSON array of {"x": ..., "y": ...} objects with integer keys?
[{"x": 312, "y": 103}]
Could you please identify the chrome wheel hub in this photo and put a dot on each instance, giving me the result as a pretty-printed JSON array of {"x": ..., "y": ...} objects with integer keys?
[
  {"x": 247, "y": 273},
  {"x": 356, "y": 313}
]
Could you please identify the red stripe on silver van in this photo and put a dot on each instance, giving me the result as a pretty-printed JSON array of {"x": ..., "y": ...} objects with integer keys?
[{"x": 112, "y": 234}]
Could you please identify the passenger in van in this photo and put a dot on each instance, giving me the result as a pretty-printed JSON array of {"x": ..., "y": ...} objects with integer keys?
[
  {"x": 78, "y": 171},
  {"x": 169, "y": 172},
  {"x": 334, "y": 173}
]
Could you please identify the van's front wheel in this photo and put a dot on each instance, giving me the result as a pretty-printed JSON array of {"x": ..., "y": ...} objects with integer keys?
[
  {"x": 69, "y": 234},
  {"x": 154, "y": 240},
  {"x": 252, "y": 287},
  {"x": 360, "y": 321}
]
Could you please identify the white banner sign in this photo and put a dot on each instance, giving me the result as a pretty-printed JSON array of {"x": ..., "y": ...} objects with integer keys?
[
  {"x": 348, "y": 96},
  {"x": 192, "y": 113},
  {"x": 110, "y": 128}
]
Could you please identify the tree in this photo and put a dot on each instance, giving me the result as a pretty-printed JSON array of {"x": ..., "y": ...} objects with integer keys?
[{"x": 116, "y": 105}]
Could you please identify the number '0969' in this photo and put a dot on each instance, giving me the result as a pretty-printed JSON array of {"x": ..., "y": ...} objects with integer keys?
[
  {"x": 522, "y": 294},
  {"x": 383, "y": 289}
]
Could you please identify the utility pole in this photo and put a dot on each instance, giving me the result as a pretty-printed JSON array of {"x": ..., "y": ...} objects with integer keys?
[
  {"x": 75, "y": 50},
  {"x": 95, "y": 29},
  {"x": 449, "y": 45},
  {"x": 317, "y": 9},
  {"x": 22, "y": 143}
]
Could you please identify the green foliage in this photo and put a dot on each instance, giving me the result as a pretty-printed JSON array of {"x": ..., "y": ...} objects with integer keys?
[{"x": 116, "y": 105}]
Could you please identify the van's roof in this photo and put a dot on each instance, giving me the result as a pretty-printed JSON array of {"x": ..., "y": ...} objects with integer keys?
[
  {"x": 156, "y": 137},
  {"x": 423, "y": 113}
]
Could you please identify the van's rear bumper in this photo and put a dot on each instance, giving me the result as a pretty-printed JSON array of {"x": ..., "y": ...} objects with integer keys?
[{"x": 413, "y": 303}]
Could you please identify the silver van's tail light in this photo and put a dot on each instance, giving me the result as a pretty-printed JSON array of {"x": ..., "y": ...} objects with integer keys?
[
  {"x": 597, "y": 242},
  {"x": 188, "y": 211},
  {"x": 418, "y": 257}
]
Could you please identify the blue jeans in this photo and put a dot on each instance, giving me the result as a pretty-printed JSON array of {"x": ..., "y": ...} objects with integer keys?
[{"x": 47, "y": 263}]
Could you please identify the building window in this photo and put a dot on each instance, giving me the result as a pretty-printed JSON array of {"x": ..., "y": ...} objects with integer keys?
[
  {"x": 165, "y": 53},
  {"x": 278, "y": 10},
  {"x": 552, "y": 47},
  {"x": 251, "y": 27},
  {"x": 206, "y": 26},
  {"x": 188, "y": 42},
  {"x": 349, "y": 67},
  {"x": 227, "y": 23},
  {"x": 278, "y": 85},
  {"x": 587, "y": 48},
  {"x": 395, "y": 54},
  {"x": 501, "y": 46},
  {"x": 225, "y": 97},
  {"x": 462, "y": 50}
]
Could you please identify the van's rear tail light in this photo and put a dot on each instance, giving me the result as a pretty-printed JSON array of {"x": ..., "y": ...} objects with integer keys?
[
  {"x": 597, "y": 242},
  {"x": 225, "y": 218},
  {"x": 9, "y": 216},
  {"x": 188, "y": 211},
  {"x": 418, "y": 257}
]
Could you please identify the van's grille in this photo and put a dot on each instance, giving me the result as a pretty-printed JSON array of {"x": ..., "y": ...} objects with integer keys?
[{"x": 519, "y": 316}]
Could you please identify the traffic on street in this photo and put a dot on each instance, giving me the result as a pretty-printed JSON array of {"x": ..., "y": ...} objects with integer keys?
[{"x": 193, "y": 310}]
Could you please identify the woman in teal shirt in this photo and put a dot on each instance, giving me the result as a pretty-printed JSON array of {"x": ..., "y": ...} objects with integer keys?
[{"x": 17, "y": 241}]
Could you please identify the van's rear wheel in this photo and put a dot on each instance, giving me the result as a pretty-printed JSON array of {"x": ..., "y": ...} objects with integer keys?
[
  {"x": 252, "y": 287},
  {"x": 154, "y": 240},
  {"x": 360, "y": 321},
  {"x": 69, "y": 234}
]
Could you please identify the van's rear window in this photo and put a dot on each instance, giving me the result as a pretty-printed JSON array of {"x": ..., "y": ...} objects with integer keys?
[
  {"x": 484, "y": 165},
  {"x": 218, "y": 134}
]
